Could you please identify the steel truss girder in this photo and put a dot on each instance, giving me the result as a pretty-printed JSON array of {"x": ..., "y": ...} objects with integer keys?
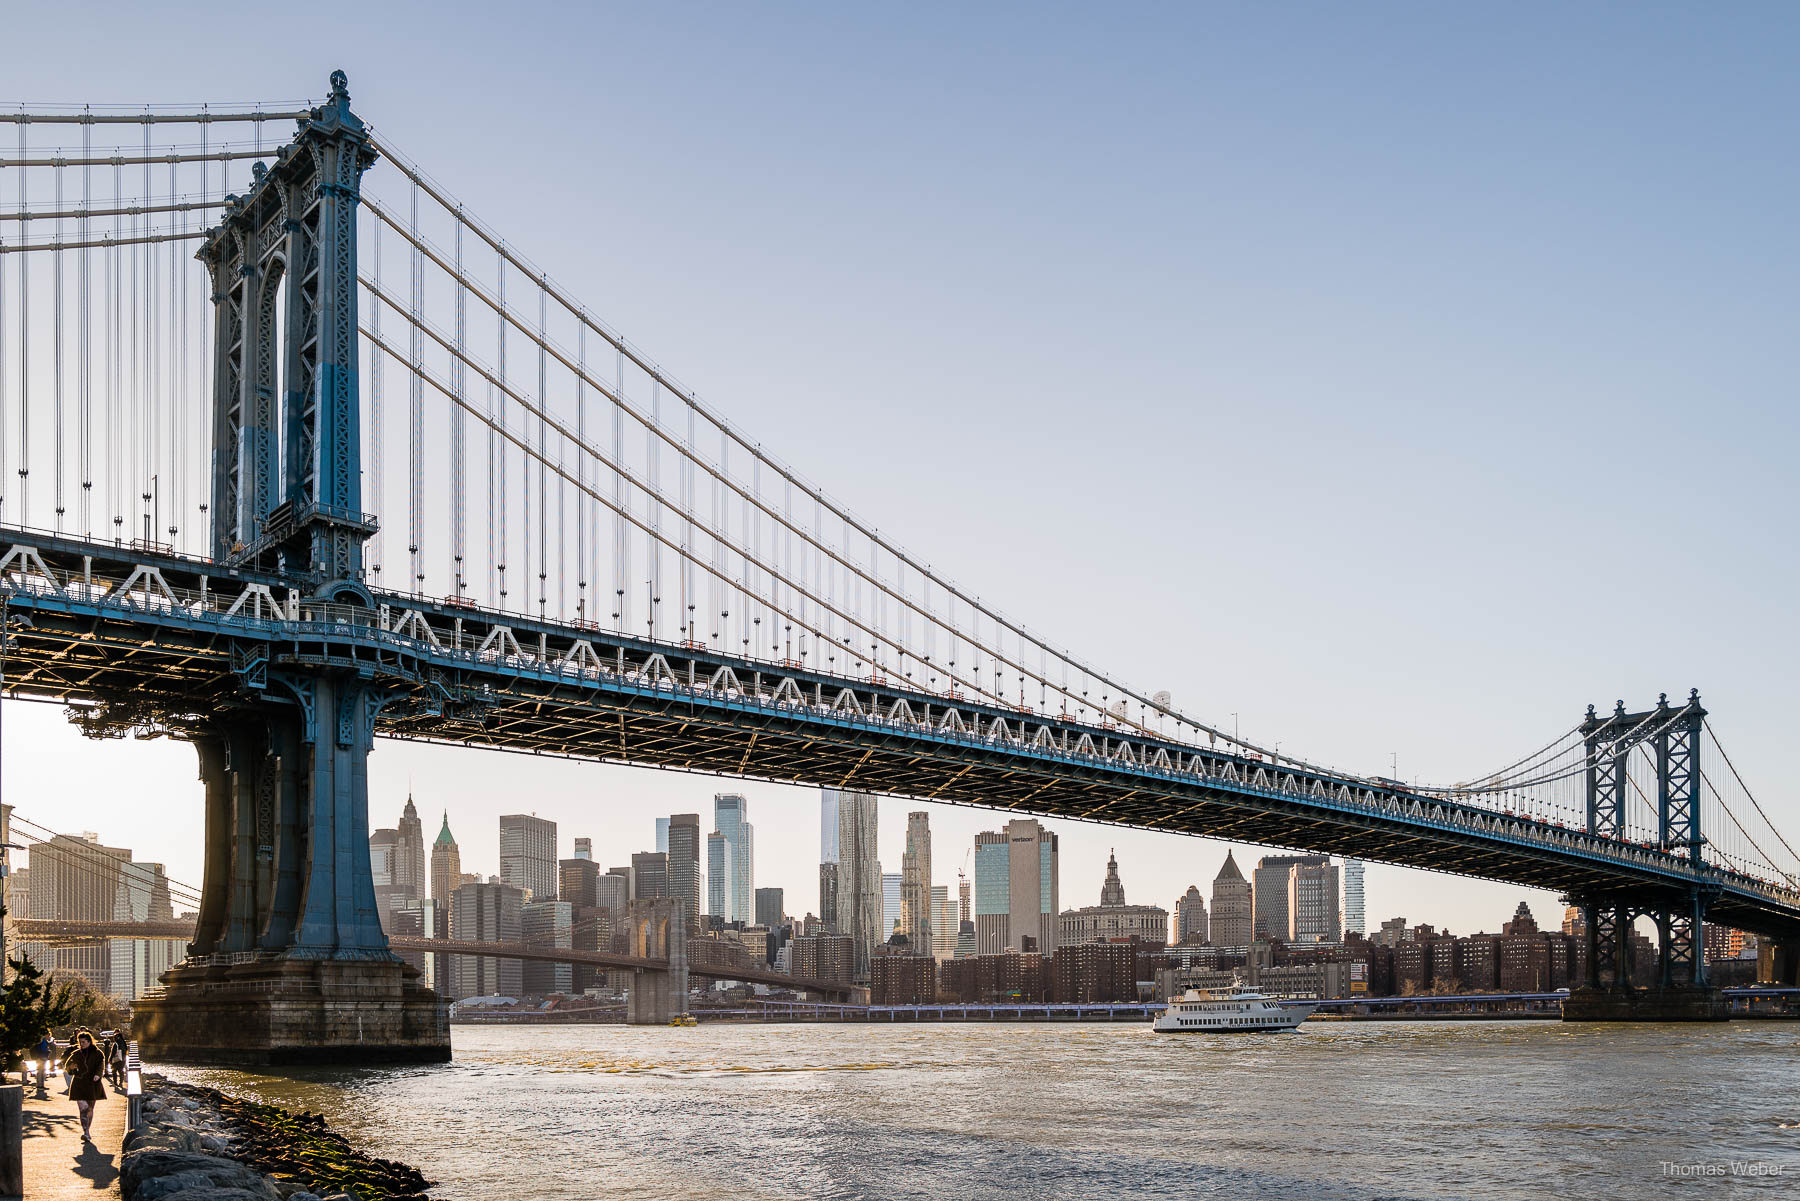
[{"x": 212, "y": 639}]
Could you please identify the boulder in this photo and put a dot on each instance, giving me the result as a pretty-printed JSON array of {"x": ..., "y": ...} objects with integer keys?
[
  {"x": 213, "y": 1194},
  {"x": 143, "y": 1166},
  {"x": 158, "y": 1187}
]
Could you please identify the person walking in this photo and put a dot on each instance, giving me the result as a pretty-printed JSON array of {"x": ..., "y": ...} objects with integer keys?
[
  {"x": 43, "y": 1053},
  {"x": 86, "y": 1067},
  {"x": 116, "y": 1049}
]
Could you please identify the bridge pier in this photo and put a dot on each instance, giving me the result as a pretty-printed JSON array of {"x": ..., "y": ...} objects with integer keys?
[
  {"x": 657, "y": 929},
  {"x": 1778, "y": 963},
  {"x": 1680, "y": 992},
  {"x": 289, "y": 964}
]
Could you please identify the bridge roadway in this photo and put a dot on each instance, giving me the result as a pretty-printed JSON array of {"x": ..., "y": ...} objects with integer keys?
[
  {"x": 39, "y": 930},
  {"x": 143, "y": 641}
]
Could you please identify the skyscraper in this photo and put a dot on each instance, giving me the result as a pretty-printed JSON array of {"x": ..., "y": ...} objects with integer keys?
[
  {"x": 1231, "y": 907},
  {"x": 485, "y": 913},
  {"x": 1312, "y": 903},
  {"x": 828, "y": 897},
  {"x": 828, "y": 860},
  {"x": 383, "y": 851},
  {"x": 137, "y": 964},
  {"x": 685, "y": 846},
  {"x": 649, "y": 875},
  {"x": 915, "y": 883},
  {"x": 943, "y": 923},
  {"x": 1016, "y": 888},
  {"x": 890, "y": 904},
  {"x": 76, "y": 879},
  {"x": 578, "y": 882},
  {"x": 446, "y": 865},
  {"x": 716, "y": 854},
  {"x": 1112, "y": 919},
  {"x": 731, "y": 819},
  {"x": 771, "y": 905},
  {"x": 1190, "y": 917},
  {"x": 858, "y": 871},
  {"x": 662, "y": 835},
  {"x": 584, "y": 848},
  {"x": 612, "y": 890},
  {"x": 1355, "y": 916},
  {"x": 547, "y": 924},
  {"x": 528, "y": 854},
  {"x": 1272, "y": 917},
  {"x": 409, "y": 851}
]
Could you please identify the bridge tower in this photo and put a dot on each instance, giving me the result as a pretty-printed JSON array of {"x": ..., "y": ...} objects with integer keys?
[
  {"x": 1679, "y": 990},
  {"x": 656, "y": 928},
  {"x": 289, "y": 963},
  {"x": 287, "y": 432}
]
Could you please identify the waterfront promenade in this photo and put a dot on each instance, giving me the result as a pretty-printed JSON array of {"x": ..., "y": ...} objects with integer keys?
[{"x": 58, "y": 1165}]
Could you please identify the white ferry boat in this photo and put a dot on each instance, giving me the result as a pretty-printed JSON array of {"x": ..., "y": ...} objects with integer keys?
[{"x": 1236, "y": 1010}]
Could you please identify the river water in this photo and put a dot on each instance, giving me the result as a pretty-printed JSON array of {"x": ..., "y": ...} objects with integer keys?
[{"x": 1355, "y": 1111}]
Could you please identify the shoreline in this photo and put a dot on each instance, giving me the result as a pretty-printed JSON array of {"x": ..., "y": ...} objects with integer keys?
[{"x": 195, "y": 1138}]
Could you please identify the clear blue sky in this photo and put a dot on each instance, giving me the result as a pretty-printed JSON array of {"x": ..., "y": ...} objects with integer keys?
[{"x": 1399, "y": 378}]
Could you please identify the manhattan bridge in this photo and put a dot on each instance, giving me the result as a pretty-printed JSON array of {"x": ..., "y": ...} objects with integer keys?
[{"x": 296, "y": 452}]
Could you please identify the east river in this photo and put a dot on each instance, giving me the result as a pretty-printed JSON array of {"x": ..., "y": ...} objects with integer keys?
[{"x": 922, "y": 1113}]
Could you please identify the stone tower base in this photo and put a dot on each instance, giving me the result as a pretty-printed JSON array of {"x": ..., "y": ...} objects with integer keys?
[
  {"x": 283, "y": 1011},
  {"x": 1646, "y": 1005}
]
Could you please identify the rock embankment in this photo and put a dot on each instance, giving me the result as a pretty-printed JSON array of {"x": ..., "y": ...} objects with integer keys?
[{"x": 198, "y": 1144}]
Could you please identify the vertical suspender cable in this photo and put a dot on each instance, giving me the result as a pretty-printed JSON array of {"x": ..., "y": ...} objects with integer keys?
[
  {"x": 177, "y": 423},
  {"x": 688, "y": 599},
  {"x": 182, "y": 398},
  {"x": 204, "y": 441},
  {"x": 581, "y": 458},
  {"x": 151, "y": 414},
  {"x": 458, "y": 433},
  {"x": 4, "y": 477},
  {"x": 543, "y": 399},
  {"x": 787, "y": 558},
  {"x": 415, "y": 440},
  {"x": 56, "y": 370},
  {"x": 717, "y": 534},
  {"x": 498, "y": 400},
  {"x": 818, "y": 564},
  {"x": 653, "y": 470},
  {"x": 525, "y": 468},
  {"x": 134, "y": 424},
  {"x": 115, "y": 345},
  {"x": 24, "y": 346},
  {"x": 377, "y": 471},
  {"x": 84, "y": 421},
  {"x": 621, "y": 602}
]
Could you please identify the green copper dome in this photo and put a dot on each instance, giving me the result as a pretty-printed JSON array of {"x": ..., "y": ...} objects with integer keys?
[{"x": 443, "y": 838}]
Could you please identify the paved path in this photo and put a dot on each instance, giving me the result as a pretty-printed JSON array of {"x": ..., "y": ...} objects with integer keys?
[{"x": 58, "y": 1165}]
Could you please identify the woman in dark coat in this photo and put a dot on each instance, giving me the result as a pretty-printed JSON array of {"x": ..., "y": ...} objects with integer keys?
[{"x": 86, "y": 1066}]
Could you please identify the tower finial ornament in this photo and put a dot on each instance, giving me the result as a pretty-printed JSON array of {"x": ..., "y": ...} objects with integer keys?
[{"x": 340, "y": 87}]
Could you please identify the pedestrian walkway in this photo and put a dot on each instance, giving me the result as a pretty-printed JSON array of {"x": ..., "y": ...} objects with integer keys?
[{"x": 58, "y": 1165}]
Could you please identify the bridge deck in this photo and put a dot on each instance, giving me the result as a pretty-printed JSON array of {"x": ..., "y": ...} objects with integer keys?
[{"x": 150, "y": 654}]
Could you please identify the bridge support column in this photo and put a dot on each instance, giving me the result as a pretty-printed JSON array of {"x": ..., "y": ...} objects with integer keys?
[
  {"x": 1678, "y": 993},
  {"x": 1778, "y": 963},
  {"x": 289, "y": 964},
  {"x": 657, "y": 929}
]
